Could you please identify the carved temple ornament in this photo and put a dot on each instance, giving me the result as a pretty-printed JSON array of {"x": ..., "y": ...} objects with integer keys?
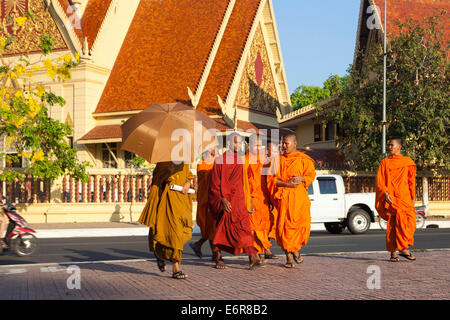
[
  {"x": 28, "y": 37},
  {"x": 257, "y": 89}
]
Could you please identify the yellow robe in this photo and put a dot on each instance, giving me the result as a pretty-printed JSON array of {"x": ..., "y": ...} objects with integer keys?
[{"x": 168, "y": 213}]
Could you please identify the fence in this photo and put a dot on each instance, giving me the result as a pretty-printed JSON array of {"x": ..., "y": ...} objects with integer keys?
[
  {"x": 133, "y": 187},
  {"x": 107, "y": 188}
]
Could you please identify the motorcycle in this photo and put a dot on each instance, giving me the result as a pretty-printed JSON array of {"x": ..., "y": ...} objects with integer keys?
[
  {"x": 19, "y": 236},
  {"x": 421, "y": 215}
]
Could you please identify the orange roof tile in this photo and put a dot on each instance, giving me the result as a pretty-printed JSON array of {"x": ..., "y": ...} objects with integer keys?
[
  {"x": 164, "y": 52},
  {"x": 403, "y": 10},
  {"x": 228, "y": 55},
  {"x": 103, "y": 132},
  {"x": 93, "y": 17}
]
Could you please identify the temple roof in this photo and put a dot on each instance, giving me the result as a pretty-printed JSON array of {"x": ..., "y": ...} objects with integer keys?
[{"x": 166, "y": 51}]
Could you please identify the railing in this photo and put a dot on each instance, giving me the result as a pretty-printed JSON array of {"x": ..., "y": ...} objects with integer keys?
[
  {"x": 119, "y": 186},
  {"x": 26, "y": 191},
  {"x": 107, "y": 188}
]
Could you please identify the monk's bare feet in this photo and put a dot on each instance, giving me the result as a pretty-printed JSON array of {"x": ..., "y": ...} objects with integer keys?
[{"x": 220, "y": 264}]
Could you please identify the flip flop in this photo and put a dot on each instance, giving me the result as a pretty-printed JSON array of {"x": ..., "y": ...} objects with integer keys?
[
  {"x": 407, "y": 256},
  {"x": 220, "y": 265},
  {"x": 289, "y": 265},
  {"x": 196, "y": 251},
  {"x": 270, "y": 256},
  {"x": 298, "y": 259},
  {"x": 257, "y": 264},
  {"x": 179, "y": 275},
  {"x": 161, "y": 265},
  {"x": 394, "y": 259}
]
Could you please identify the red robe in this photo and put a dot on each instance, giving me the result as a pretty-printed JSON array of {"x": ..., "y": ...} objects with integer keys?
[{"x": 233, "y": 231}]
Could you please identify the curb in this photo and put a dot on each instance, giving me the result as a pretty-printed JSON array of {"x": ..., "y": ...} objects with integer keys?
[{"x": 143, "y": 231}]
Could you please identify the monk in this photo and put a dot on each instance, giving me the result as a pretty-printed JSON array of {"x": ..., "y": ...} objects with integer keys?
[
  {"x": 168, "y": 214},
  {"x": 260, "y": 219},
  {"x": 204, "y": 219},
  {"x": 230, "y": 204},
  {"x": 271, "y": 166},
  {"x": 395, "y": 195},
  {"x": 296, "y": 172}
]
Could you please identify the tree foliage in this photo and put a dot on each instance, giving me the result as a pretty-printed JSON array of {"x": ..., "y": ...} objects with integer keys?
[
  {"x": 305, "y": 95},
  {"x": 24, "y": 116},
  {"x": 417, "y": 98}
]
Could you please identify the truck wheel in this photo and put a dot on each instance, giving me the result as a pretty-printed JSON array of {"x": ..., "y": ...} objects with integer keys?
[
  {"x": 358, "y": 221},
  {"x": 334, "y": 227}
]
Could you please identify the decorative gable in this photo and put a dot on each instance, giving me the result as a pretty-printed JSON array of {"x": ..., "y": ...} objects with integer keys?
[
  {"x": 28, "y": 38},
  {"x": 257, "y": 85}
]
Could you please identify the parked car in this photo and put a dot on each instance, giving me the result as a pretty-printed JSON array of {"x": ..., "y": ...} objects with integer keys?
[{"x": 338, "y": 210}]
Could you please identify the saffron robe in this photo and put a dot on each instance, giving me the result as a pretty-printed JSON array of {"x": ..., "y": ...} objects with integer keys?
[
  {"x": 397, "y": 176},
  {"x": 204, "y": 218},
  {"x": 233, "y": 231},
  {"x": 168, "y": 213},
  {"x": 260, "y": 219},
  {"x": 271, "y": 168},
  {"x": 293, "y": 204}
]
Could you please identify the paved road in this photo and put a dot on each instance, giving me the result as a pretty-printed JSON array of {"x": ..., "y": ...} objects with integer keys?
[{"x": 122, "y": 248}]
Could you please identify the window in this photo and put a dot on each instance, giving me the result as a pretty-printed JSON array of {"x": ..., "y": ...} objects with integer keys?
[
  {"x": 129, "y": 156},
  {"x": 310, "y": 189},
  {"x": 327, "y": 185},
  {"x": 108, "y": 160},
  {"x": 317, "y": 132},
  {"x": 329, "y": 131}
]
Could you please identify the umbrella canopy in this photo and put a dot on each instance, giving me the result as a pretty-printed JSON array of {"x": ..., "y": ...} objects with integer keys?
[{"x": 169, "y": 132}]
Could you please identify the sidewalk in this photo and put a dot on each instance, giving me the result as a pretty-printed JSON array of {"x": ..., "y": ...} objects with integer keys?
[
  {"x": 117, "y": 229},
  {"x": 349, "y": 276}
]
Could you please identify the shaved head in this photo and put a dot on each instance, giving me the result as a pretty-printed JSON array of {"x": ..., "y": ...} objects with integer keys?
[{"x": 289, "y": 143}]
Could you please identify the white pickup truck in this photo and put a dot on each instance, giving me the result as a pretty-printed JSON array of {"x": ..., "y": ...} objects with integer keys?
[{"x": 336, "y": 209}]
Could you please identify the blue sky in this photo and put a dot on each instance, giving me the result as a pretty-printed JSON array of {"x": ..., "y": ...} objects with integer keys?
[{"x": 317, "y": 38}]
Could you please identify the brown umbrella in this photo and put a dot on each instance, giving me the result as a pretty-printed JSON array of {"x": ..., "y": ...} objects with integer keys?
[{"x": 168, "y": 132}]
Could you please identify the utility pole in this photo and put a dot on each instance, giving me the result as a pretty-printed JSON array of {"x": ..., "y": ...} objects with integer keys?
[{"x": 383, "y": 142}]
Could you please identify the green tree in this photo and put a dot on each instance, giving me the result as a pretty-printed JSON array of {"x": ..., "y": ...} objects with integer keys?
[
  {"x": 306, "y": 95},
  {"x": 417, "y": 98},
  {"x": 24, "y": 117}
]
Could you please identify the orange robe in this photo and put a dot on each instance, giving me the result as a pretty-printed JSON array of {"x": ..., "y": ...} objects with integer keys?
[
  {"x": 397, "y": 176},
  {"x": 271, "y": 181},
  {"x": 204, "y": 218},
  {"x": 260, "y": 219},
  {"x": 293, "y": 204}
]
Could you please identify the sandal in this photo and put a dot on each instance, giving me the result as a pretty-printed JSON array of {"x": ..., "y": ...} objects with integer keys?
[
  {"x": 289, "y": 265},
  {"x": 298, "y": 259},
  {"x": 408, "y": 256},
  {"x": 3, "y": 244},
  {"x": 257, "y": 264},
  {"x": 179, "y": 275},
  {"x": 220, "y": 264},
  {"x": 270, "y": 256},
  {"x": 161, "y": 265},
  {"x": 394, "y": 259},
  {"x": 197, "y": 252}
]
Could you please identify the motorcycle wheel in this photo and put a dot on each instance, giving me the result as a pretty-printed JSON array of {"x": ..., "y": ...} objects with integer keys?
[
  {"x": 420, "y": 221},
  {"x": 25, "y": 245}
]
